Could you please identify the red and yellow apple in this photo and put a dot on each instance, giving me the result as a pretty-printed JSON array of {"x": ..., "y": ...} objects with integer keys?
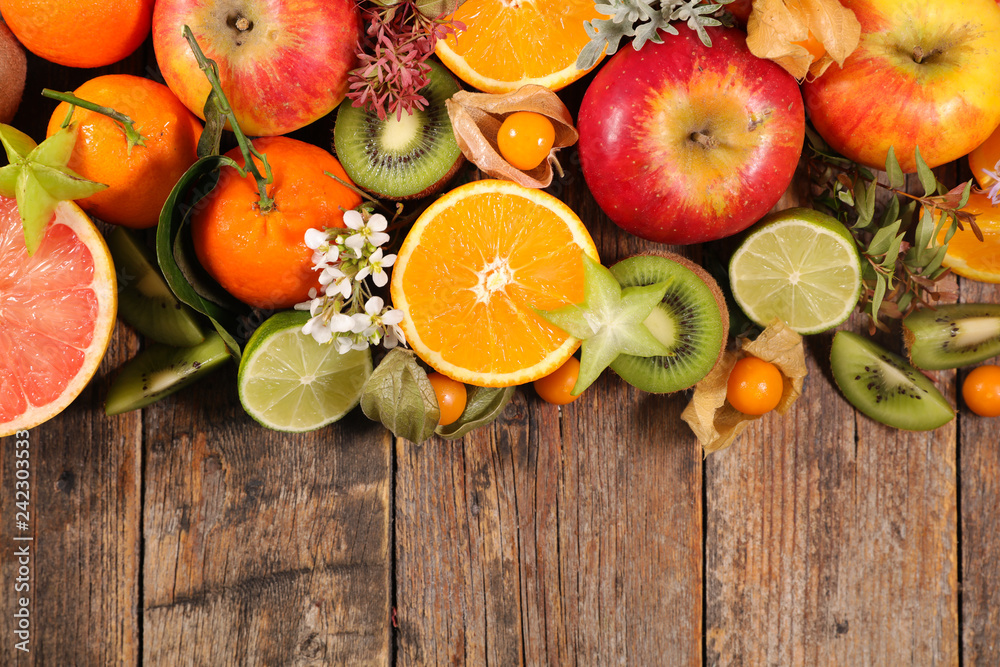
[
  {"x": 925, "y": 74},
  {"x": 283, "y": 63},
  {"x": 681, "y": 143}
]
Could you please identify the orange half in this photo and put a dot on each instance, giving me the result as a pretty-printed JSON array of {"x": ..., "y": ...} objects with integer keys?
[
  {"x": 57, "y": 313},
  {"x": 509, "y": 43},
  {"x": 470, "y": 272},
  {"x": 967, "y": 255}
]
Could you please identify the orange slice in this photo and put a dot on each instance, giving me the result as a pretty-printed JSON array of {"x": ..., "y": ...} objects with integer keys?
[
  {"x": 472, "y": 268},
  {"x": 57, "y": 312},
  {"x": 967, "y": 255},
  {"x": 509, "y": 43}
]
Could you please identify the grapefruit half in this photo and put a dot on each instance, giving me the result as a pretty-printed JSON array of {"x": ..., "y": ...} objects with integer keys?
[{"x": 57, "y": 312}]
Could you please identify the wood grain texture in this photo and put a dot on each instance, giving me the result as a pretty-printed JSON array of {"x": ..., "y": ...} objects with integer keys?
[
  {"x": 555, "y": 536},
  {"x": 85, "y": 508},
  {"x": 261, "y": 547},
  {"x": 979, "y": 471},
  {"x": 831, "y": 539}
]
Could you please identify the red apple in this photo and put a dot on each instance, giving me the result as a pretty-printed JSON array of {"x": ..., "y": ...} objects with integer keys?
[
  {"x": 681, "y": 143},
  {"x": 925, "y": 74},
  {"x": 283, "y": 63}
]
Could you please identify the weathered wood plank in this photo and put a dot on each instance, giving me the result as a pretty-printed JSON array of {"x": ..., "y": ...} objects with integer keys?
[
  {"x": 979, "y": 472},
  {"x": 832, "y": 539},
  {"x": 555, "y": 536},
  {"x": 85, "y": 488},
  {"x": 262, "y": 547}
]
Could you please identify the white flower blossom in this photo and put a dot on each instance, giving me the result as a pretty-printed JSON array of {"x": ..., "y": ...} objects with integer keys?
[
  {"x": 994, "y": 193},
  {"x": 375, "y": 268},
  {"x": 372, "y": 232},
  {"x": 393, "y": 334}
]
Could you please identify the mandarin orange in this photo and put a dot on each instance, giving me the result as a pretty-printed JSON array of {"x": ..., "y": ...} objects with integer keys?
[
  {"x": 79, "y": 33},
  {"x": 260, "y": 257},
  {"x": 139, "y": 180},
  {"x": 967, "y": 255}
]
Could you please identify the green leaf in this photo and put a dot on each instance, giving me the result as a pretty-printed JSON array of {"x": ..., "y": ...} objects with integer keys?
[
  {"x": 846, "y": 197},
  {"x": 927, "y": 177},
  {"x": 892, "y": 254},
  {"x": 935, "y": 262},
  {"x": 924, "y": 233},
  {"x": 399, "y": 395},
  {"x": 882, "y": 240},
  {"x": 483, "y": 405},
  {"x": 215, "y": 123},
  {"x": 880, "y": 285},
  {"x": 893, "y": 170},
  {"x": 196, "y": 183},
  {"x": 965, "y": 195},
  {"x": 891, "y": 213}
]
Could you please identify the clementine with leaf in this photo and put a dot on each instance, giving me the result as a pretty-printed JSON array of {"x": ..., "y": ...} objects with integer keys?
[
  {"x": 260, "y": 256},
  {"x": 140, "y": 177}
]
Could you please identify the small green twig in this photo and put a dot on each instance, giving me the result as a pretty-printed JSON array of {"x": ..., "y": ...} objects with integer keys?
[
  {"x": 358, "y": 191},
  {"x": 211, "y": 70},
  {"x": 124, "y": 123}
]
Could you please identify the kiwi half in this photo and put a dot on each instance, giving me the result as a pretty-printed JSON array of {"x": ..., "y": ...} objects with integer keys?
[
  {"x": 884, "y": 387},
  {"x": 160, "y": 370},
  {"x": 405, "y": 158},
  {"x": 952, "y": 335},
  {"x": 145, "y": 301},
  {"x": 691, "y": 320}
]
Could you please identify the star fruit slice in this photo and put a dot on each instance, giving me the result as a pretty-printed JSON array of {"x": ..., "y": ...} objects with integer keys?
[
  {"x": 38, "y": 178},
  {"x": 609, "y": 321}
]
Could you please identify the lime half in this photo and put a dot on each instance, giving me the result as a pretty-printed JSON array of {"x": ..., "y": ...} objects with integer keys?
[
  {"x": 800, "y": 266},
  {"x": 289, "y": 382}
]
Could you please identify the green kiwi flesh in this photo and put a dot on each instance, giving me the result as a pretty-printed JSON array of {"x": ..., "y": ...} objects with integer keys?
[
  {"x": 145, "y": 301},
  {"x": 952, "y": 335},
  {"x": 884, "y": 386},
  {"x": 405, "y": 158},
  {"x": 160, "y": 370},
  {"x": 691, "y": 320}
]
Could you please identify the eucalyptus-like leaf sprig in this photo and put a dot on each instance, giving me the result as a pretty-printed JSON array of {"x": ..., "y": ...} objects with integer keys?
[
  {"x": 900, "y": 249},
  {"x": 642, "y": 20}
]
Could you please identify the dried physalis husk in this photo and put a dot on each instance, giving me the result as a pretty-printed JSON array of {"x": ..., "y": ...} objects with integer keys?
[
  {"x": 714, "y": 421},
  {"x": 787, "y": 32},
  {"x": 476, "y": 119}
]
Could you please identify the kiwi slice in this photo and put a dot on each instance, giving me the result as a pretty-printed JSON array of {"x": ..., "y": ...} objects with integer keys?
[
  {"x": 884, "y": 387},
  {"x": 145, "y": 301},
  {"x": 160, "y": 370},
  {"x": 952, "y": 335},
  {"x": 691, "y": 320},
  {"x": 401, "y": 158}
]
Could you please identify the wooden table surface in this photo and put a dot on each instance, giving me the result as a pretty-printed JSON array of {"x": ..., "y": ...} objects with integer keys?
[{"x": 186, "y": 534}]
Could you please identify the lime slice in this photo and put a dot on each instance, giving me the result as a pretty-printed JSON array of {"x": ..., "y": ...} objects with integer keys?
[
  {"x": 800, "y": 266},
  {"x": 289, "y": 382}
]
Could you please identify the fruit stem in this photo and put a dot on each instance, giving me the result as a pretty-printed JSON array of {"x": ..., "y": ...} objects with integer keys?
[
  {"x": 706, "y": 140},
  {"x": 358, "y": 191},
  {"x": 125, "y": 124},
  {"x": 211, "y": 70}
]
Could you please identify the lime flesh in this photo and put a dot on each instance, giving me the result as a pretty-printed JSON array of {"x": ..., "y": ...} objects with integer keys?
[
  {"x": 289, "y": 382},
  {"x": 800, "y": 266}
]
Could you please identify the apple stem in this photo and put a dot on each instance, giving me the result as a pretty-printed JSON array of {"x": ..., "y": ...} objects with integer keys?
[
  {"x": 211, "y": 70},
  {"x": 242, "y": 24},
  {"x": 706, "y": 140},
  {"x": 125, "y": 124},
  {"x": 918, "y": 54}
]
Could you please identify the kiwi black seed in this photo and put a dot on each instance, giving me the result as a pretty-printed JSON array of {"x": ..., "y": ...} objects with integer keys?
[
  {"x": 884, "y": 386},
  {"x": 160, "y": 370},
  {"x": 401, "y": 158},
  {"x": 691, "y": 320},
  {"x": 952, "y": 335},
  {"x": 144, "y": 298}
]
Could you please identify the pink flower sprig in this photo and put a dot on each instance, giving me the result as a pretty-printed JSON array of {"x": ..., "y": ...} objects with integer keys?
[{"x": 393, "y": 58}]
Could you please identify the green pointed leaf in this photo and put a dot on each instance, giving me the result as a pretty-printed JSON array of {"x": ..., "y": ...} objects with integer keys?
[
  {"x": 36, "y": 207},
  {"x": 882, "y": 240},
  {"x": 880, "y": 285},
  {"x": 399, "y": 395},
  {"x": 896, "y": 178},
  {"x": 57, "y": 149},
  {"x": 927, "y": 177},
  {"x": 63, "y": 183},
  {"x": 196, "y": 183},
  {"x": 483, "y": 405},
  {"x": 924, "y": 233},
  {"x": 892, "y": 254},
  {"x": 16, "y": 143},
  {"x": 935, "y": 262},
  {"x": 891, "y": 213},
  {"x": 965, "y": 195},
  {"x": 846, "y": 197}
]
